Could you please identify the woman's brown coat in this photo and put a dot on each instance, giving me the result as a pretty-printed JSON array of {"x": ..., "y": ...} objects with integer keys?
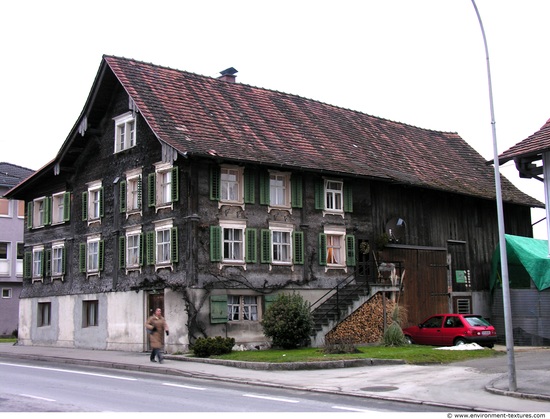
[{"x": 157, "y": 326}]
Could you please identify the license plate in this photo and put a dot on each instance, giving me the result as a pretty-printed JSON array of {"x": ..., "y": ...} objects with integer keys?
[{"x": 486, "y": 332}]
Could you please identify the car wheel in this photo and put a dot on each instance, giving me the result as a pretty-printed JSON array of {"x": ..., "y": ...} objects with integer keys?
[
  {"x": 408, "y": 340},
  {"x": 459, "y": 341}
]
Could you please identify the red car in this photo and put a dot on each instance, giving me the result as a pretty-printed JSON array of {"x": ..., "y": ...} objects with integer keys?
[{"x": 452, "y": 329}]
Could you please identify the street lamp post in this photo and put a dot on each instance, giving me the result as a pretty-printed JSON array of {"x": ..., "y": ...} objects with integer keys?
[{"x": 502, "y": 238}]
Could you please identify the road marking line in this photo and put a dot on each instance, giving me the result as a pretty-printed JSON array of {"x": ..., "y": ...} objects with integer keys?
[
  {"x": 37, "y": 397},
  {"x": 352, "y": 409},
  {"x": 270, "y": 398},
  {"x": 71, "y": 371},
  {"x": 183, "y": 386}
]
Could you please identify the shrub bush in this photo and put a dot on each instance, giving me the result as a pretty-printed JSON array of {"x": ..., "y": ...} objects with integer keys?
[
  {"x": 288, "y": 322},
  {"x": 206, "y": 347}
]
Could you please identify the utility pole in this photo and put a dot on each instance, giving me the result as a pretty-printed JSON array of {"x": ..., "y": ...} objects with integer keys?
[{"x": 512, "y": 383}]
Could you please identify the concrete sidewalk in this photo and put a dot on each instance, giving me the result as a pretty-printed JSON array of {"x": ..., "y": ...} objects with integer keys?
[{"x": 471, "y": 385}]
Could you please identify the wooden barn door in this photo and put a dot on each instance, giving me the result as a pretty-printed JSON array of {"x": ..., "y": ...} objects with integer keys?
[{"x": 425, "y": 282}]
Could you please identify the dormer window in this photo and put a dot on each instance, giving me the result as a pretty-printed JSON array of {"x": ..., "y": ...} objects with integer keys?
[{"x": 125, "y": 132}]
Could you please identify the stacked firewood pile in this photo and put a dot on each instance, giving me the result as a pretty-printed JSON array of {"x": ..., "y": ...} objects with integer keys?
[{"x": 365, "y": 325}]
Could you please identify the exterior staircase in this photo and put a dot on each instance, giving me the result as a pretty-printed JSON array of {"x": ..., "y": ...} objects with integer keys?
[{"x": 340, "y": 302}]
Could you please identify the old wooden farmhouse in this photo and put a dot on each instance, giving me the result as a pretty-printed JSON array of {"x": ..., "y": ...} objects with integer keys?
[{"x": 208, "y": 197}]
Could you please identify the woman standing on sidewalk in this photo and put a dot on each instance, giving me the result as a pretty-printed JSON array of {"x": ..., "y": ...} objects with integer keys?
[{"x": 156, "y": 327}]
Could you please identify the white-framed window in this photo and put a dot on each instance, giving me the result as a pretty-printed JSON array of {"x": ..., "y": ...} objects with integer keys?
[
  {"x": 5, "y": 207},
  {"x": 336, "y": 248},
  {"x": 92, "y": 260},
  {"x": 58, "y": 260},
  {"x": 162, "y": 245},
  {"x": 38, "y": 263},
  {"x": 40, "y": 212},
  {"x": 133, "y": 249},
  {"x": 6, "y": 292},
  {"x": 131, "y": 190},
  {"x": 242, "y": 307},
  {"x": 163, "y": 186},
  {"x": 334, "y": 195},
  {"x": 92, "y": 255},
  {"x": 281, "y": 245},
  {"x": 60, "y": 207},
  {"x": 20, "y": 258},
  {"x": 5, "y": 260},
  {"x": 279, "y": 189},
  {"x": 233, "y": 242},
  {"x": 232, "y": 184},
  {"x": 125, "y": 132},
  {"x": 92, "y": 202}
]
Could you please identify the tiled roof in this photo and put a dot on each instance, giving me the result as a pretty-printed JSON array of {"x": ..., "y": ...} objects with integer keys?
[
  {"x": 204, "y": 116},
  {"x": 11, "y": 174},
  {"x": 532, "y": 145}
]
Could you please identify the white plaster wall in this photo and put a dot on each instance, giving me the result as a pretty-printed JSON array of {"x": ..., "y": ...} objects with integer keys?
[
  {"x": 126, "y": 321},
  {"x": 177, "y": 319},
  {"x": 25, "y": 319},
  {"x": 64, "y": 317}
]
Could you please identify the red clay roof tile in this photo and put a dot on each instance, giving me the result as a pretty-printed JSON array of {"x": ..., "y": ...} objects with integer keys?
[{"x": 205, "y": 116}]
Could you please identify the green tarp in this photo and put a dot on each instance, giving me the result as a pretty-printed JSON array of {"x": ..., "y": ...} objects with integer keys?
[{"x": 527, "y": 260}]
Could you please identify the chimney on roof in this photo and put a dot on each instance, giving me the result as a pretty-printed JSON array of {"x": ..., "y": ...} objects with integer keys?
[{"x": 228, "y": 75}]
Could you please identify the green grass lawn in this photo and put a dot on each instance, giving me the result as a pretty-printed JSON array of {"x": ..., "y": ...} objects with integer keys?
[
  {"x": 8, "y": 340},
  {"x": 412, "y": 354}
]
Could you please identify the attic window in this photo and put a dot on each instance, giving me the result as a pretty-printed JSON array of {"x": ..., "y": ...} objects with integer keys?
[{"x": 125, "y": 132}]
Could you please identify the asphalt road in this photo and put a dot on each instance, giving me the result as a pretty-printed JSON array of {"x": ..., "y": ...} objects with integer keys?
[{"x": 34, "y": 386}]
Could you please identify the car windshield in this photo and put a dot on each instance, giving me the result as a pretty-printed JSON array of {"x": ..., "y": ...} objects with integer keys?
[{"x": 476, "y": 321}]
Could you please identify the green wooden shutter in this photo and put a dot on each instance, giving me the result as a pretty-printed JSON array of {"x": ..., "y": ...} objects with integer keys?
[
  {"x": 249, "y": 190},
  {"x": 320, "y": 194},
  {"x": 175, "y": 184},
  {"x": 140, "y": 250},
  {"x": 67, "y": 206},
  {"x": 265, "y": 250},
  {"x": 42, "y": 263},
  {"x": 296, "y": 190},
  {"x": 251, "y": 245},
  {"x": 48, "y": 261},
  {"x": 174, "y": 253},
  {"x": 218, "y": 309},
  {"x": 151, "y": 194},
  {"x": 264, "y": 188},
  {"x": 82, "y": 258},
  {"x": 101, "y": 256},
  {"x": 150, "y": 239},
  {"x": 268, "y": 300},
  {"x": 322, "y": 249},
  {"x": 47, "y": 210},
  {"x": 63, "y": 260},
  {"x": 215, "y": 244},
  {"x": 122, "y": 251},
  {"x": 215, "y": 183},
  {"x": 139, "y": 191},
  {"x": 123, "y": 195},
  {"x": 298, "y": 247},
  {"x": 27, "y": 265},
  {"x": 84, "y": 206},
  {"x": 101, "y": 202},
  {"x": 348, "y": 198},
  {"x": 350, "y": 250},
  {"x": 29, "y": 214}
]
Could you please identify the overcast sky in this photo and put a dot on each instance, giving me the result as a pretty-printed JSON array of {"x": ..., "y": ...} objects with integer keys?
[{"x": 419, "y": 62}]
